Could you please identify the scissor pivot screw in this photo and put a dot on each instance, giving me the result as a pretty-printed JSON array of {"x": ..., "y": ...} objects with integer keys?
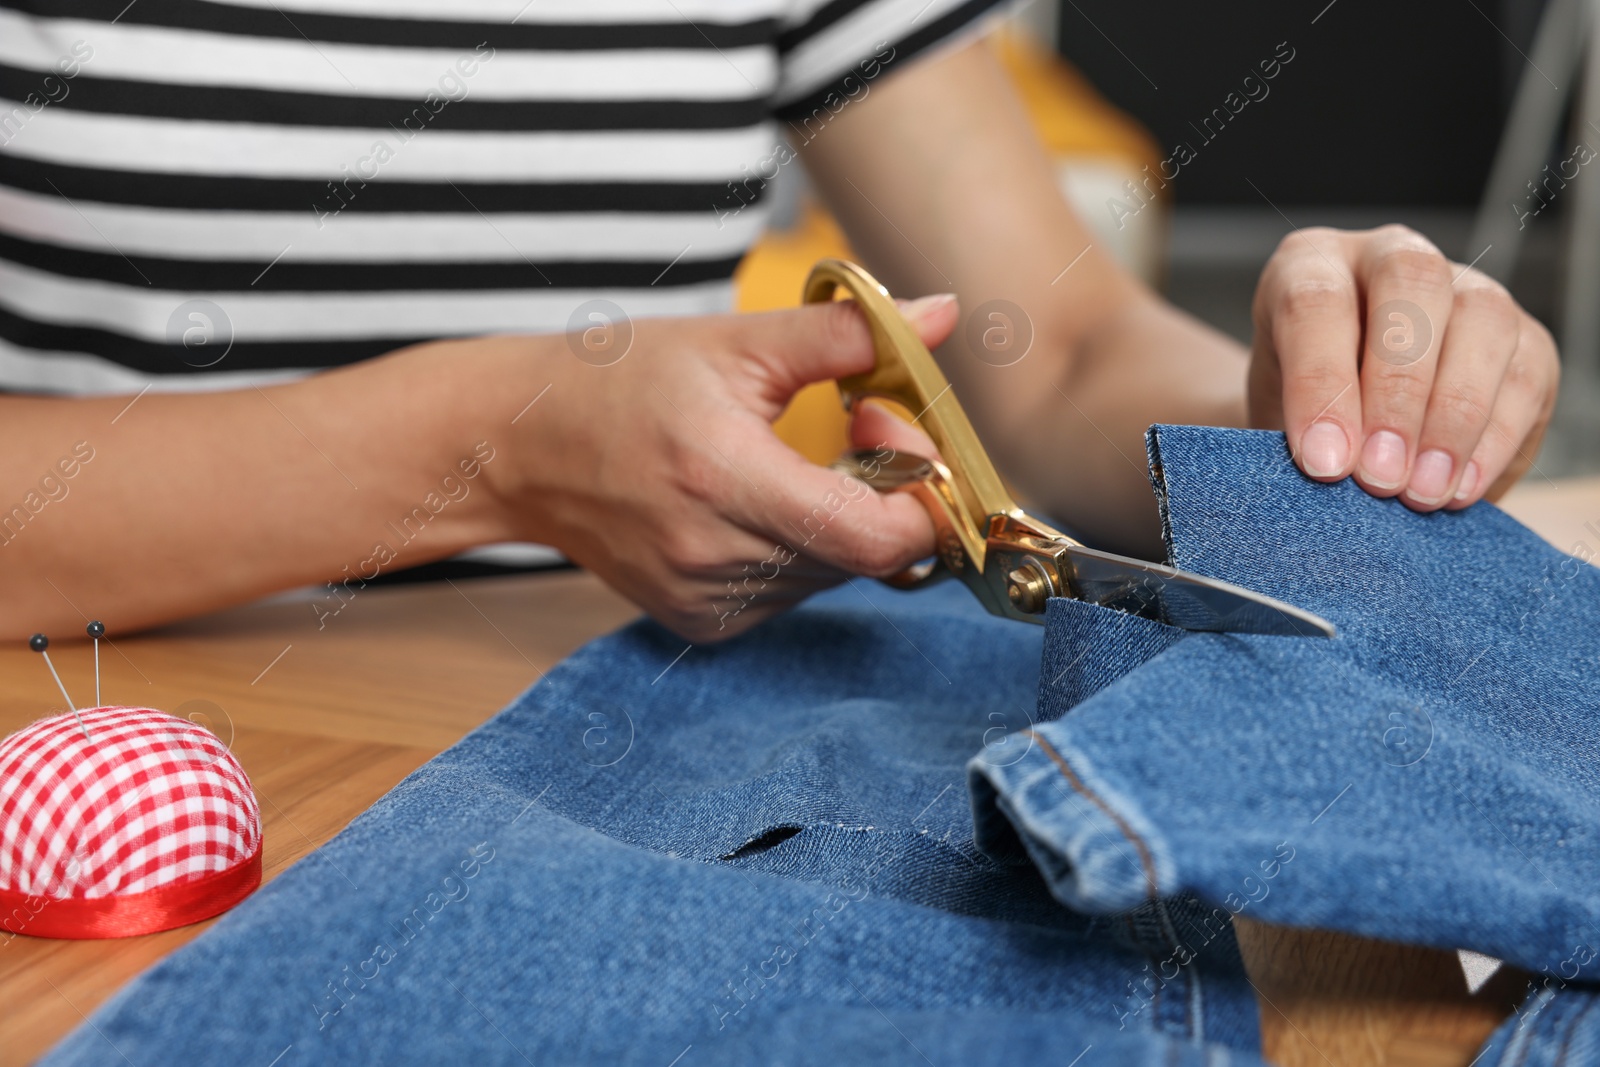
[{"x": 1028, "y": 588}]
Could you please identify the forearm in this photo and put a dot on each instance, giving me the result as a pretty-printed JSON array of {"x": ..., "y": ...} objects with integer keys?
[
  {"x": 178, "y": 504},
  {"x": 1082, "y": 456},
  {"x": 969, "y": 204}
]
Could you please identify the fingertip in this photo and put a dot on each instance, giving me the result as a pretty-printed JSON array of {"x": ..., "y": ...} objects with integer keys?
[
  {"x": 876, "y": 535},
  {"x": 1325, "y": 450},
  {"x": 934, "y": 317},
  {"x": 1433, "y": 480},
  {"x": 1385, "y": 463},
  {"x": 1467, "y": 489},
  {"x": 1421, "y": 507},
  {"x": 798, "y": 346},
  {"x": 835, "y": 518},
  {"x": 872, "y": 426},
  {"x": 910, "y": 536}
]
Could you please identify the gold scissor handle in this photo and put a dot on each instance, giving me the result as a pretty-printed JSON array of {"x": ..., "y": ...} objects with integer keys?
[
  {"x": 971, "y": 508},
  {"x": 968, "y": 488}
]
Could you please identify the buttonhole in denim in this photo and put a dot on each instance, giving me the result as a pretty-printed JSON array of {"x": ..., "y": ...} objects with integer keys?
[{"x": 763, "y": 841}]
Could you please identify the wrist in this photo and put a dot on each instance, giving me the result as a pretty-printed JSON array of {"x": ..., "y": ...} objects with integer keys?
[
  {"x": 438, "y": 445},
  {"x": 496, "y": 389}
]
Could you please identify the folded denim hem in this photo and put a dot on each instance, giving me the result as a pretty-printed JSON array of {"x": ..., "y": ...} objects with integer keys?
[
  {"x": 1094, "y": 846},
  {"x": 1555, "y": 1027}
]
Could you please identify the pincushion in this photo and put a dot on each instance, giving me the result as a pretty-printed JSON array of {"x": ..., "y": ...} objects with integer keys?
[{"x": 117, "y": 821}]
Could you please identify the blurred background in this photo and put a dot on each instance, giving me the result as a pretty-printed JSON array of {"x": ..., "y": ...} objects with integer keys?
[{"x": 1470, "y": 120}]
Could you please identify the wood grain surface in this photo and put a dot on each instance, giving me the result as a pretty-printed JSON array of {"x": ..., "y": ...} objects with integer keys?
[{"x": 327, "y": 720}]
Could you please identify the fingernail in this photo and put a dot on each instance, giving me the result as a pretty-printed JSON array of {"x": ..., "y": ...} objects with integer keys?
[
  {"x": 1430, "y": 478},
  {"x": 923, "y": 308},
  {"x": 1324, "y": 450},
  {"x": 1469, "y": 481},
  {"x": 1383, "y": 460}
]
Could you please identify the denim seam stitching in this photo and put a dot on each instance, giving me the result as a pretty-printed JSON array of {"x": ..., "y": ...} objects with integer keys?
[
  {"x": 1521, "y": 1036},
  {"x": 1150, "y": 961},
  {"x": 1572, "y": 1030},
  {"x": 1194, "y": 1003},
  {"x": 1146, "y": 860}
]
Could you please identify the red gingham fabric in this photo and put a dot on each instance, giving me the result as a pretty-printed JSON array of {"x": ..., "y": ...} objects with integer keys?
[{"x": 146, "y": 800}]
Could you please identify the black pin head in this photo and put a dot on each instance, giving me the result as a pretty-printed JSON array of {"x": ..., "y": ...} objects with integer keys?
[
  {"x": 38, "y": 642},
  {"x": 97, "y": 629}
]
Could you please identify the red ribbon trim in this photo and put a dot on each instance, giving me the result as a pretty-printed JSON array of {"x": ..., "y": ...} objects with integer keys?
[{"x": 129, "y": 915}]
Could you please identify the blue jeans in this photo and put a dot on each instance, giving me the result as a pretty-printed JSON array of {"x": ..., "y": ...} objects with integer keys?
[
  {"x": 1430, "y": 776},
  {"x": 763, "y": 850}
]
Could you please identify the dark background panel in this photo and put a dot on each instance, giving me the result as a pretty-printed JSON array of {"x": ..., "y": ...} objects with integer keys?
[{"x": 1384, "y": 102}]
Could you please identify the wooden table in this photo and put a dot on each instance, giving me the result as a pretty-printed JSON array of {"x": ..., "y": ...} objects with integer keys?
[{"x": 325, "y": 721}]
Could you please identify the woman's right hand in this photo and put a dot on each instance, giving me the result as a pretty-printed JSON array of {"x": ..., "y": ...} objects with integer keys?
[{"x": 660, "y": 472}]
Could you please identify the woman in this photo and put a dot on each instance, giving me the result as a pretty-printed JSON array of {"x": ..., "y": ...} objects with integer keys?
[{"x": 511, "y": 227}]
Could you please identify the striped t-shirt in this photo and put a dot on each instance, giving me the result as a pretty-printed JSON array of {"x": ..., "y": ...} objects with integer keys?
[{"x": 200, "y": 194}]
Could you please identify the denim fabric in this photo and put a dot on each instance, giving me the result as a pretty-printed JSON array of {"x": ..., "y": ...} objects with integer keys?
[
  {"x": 1428, "y": 776},
  {"x": 1557, "y": 1026},
  {"x": 762, "y": 850}
]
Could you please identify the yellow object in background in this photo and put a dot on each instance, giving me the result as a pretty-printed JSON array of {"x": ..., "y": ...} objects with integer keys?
[{"x": 1073, "y": 122}]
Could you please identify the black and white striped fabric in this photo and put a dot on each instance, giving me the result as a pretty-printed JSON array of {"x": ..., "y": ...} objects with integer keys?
[{"x": 199, "y": 194}]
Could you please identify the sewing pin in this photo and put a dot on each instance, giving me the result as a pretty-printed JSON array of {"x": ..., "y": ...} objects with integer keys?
[
  {"x": 39, "y": 642},
  {"x": 97, "y": 630}
]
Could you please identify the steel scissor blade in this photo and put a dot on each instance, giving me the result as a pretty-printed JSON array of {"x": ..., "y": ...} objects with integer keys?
[{"x": 1177, "y": 598}]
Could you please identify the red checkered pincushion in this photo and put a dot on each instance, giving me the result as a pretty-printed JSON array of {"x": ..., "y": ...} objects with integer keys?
[{"x": 133, "y": 821}]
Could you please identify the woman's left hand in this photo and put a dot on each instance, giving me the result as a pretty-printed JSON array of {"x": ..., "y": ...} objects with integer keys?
[{"x": 1382, "y": 359}]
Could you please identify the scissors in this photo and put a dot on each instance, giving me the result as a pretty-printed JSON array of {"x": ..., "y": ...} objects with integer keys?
[{"x": 1012, "y": 562}]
